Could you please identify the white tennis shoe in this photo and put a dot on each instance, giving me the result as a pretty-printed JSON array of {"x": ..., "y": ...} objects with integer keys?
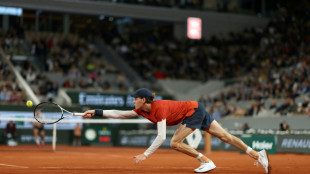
[
  {"x": 205, "y": 167},
  {"x": 264, "y": 161}
]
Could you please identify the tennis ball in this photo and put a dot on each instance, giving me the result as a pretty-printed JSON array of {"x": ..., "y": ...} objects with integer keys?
[{"x": 29, "y": 103}]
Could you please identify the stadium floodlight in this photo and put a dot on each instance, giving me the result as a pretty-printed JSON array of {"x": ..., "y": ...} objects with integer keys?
[{"x": 193, "y": 28}]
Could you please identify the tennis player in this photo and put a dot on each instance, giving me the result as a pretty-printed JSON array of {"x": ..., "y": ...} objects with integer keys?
[{"x": 190, "y": 115}]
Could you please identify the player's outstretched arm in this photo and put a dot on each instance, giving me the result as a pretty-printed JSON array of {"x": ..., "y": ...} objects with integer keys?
[
  {"x": 117, "y": 114},
  {"x": 161, "y": 137}
]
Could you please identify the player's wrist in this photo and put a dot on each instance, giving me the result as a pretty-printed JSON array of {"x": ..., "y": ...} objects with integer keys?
[
  {"x": 145, "y": 154},
  {"x": 99, "y": 112}
]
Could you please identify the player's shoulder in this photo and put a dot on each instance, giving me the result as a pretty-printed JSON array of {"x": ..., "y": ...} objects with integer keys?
[{"x": 159, "y": 103}]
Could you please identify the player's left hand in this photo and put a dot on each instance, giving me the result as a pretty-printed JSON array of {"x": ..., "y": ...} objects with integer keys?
[{"x": 139, "y": 158}]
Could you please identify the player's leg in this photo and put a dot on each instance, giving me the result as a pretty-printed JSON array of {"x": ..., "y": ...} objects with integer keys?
[
  {"x": 218, "y": 131},
  {"x": 177, "y": 141}
]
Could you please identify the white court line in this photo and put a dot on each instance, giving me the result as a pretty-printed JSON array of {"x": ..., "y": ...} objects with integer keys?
[
  {"x": 9, "y": 165},
  {"x": 51, "y": 167},
  {"x": 155, "y": 167},
  {"x": 161, "y": 167},
  {"x": 56, "y": 167}
]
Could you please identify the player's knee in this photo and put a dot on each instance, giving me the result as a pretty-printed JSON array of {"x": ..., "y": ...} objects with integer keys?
[
  {"x": 227, "y": 138},
  {"x": 174, "y": 145}
]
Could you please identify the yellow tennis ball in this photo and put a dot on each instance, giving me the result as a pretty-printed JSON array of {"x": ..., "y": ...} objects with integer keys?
[{"x": 29, "y": 103}]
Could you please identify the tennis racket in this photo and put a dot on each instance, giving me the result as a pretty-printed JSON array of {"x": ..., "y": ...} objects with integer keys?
[{"x": 49, "y": 113}]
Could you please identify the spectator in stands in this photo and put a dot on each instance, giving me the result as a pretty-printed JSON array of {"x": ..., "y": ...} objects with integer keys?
[
  {"x": 68, "y": 83},
  {"x": 122, "y": 86},
  {"x": 292, "y": 108},
  {"x": 236, "y": 111},
  {"x": 83, "y": 84},
  {"x": 250, "y": 111},
  {"x": 15, "y": 96},
  {"x": 31, "y": 77},
  {"x": 305, "y": 102},
  {"x": 5, "y": 72},
  {"x": 262, "y": 111},
  {"x": 255, "y": 110},
  {"x": 273, "y": 105},
  {"x": 23, "y": 96},
  {"x": 282, "y": 110},
  {"x": 305, "y": 87},
  {"x": 284, "y": 126},
  {"x": 226, "y": 111},
  {"x": 245, "y": 127},
  {"x": 300, "y": 110},
  {"x": 216, "y": 114},
  {"x": 10, "y": 131},
  {"x": 74, "y": 72},
  {"x": 106, "y": 85},
  {"x": 43, "y": 89},
  {"x": 4, "y": 94},
  {"x": 54, "y": 89},
  {"x": 308, "y": 109}
]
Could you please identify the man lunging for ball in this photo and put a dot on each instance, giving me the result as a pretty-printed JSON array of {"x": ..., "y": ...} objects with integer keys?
[{"x": 192, "y": 115}]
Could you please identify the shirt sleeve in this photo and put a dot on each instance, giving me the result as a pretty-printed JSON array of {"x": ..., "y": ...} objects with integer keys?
[
  {"x": 161, "y": 137},
  {"x": 137, "y": 111},
  {"x": 119, "y": 114}
]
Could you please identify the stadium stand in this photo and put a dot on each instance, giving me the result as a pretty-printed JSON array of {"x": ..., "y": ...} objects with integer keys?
[
  {"x": 10, "y": 89},
  {"x": 282, "y": 75}
]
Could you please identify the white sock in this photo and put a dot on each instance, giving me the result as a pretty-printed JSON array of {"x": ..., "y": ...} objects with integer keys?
[{"x": 199, "y": 156}]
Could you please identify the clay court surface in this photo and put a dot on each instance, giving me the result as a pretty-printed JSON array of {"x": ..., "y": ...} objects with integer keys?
[{"x": 105, "y": 160}]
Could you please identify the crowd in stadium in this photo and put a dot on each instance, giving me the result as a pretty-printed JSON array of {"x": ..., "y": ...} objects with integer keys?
[
  {"x": 9, "y": 89},
  {"x": 270, "y": 62},
  {"x": 75, "y": 58},
  {"x": 279, "y": 69}
]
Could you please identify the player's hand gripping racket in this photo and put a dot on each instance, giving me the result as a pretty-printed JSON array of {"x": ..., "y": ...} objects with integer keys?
[{"x": 49, "y": 113}]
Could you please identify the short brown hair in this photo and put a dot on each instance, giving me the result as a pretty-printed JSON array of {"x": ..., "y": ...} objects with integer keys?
[{"x": 151, "y": 99}]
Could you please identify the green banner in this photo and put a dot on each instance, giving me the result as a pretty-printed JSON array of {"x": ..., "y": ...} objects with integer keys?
[{"x": 260, "y": 142}]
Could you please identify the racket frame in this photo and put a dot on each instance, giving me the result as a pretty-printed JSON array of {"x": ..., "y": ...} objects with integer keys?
[{"x": 62, "y": 113}]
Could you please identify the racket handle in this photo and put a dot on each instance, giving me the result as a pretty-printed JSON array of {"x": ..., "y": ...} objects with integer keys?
[{"x": 78, "y": 114}]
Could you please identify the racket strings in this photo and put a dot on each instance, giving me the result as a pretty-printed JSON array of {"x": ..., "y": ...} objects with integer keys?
[{"x": 48, "y": 113}]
